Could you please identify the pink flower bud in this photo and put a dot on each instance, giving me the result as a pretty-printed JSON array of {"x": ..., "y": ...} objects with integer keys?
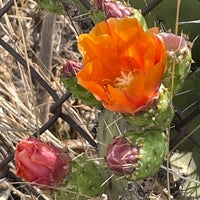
[
  {"x": 114, "y": 9},
  {"x": 121, "y": 156},
  {"x": 71, "y": 68},
  {"x": 41, "y": 163},
  {"x": 174, "y": 42}
]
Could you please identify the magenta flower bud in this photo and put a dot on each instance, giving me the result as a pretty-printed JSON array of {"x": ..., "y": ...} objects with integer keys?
[
  {"x": 71, "y": 68},
  {"x": 121, "y": 156},
  {"x": 114, "y": 9},
  {"x": 41, "y": 163}
]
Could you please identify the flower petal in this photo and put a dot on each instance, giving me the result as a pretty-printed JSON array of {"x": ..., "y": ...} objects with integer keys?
[{"x": 119, "y": 101}]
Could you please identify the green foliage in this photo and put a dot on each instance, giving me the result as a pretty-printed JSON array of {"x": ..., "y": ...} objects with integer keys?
[
  {"x": 79, "y": 92},
  {"x": 97, "y": 16},
  {"x": 54, "y": 6}
]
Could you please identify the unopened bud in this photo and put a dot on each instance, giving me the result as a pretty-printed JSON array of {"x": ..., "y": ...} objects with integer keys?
[
  {"x": 41, "y": 163},
  {"x": 121, "y": 156},
  {"x": 174, "y": 42},
  {"x": 113, "y": 8},
  {"x": 71, "y": 68}
]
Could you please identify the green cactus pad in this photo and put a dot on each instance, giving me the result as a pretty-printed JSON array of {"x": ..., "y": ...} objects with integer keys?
[
  {"x": 137, "y": 14},
  {"x": 156, "y": 117},
  {"x": 79, "y": 92},
  {"x": 85, "y": 181},
  {"x": 153, "y": 148}
]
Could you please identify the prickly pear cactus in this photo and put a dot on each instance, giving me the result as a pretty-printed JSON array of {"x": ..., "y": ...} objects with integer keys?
[{"x": 133, "y": 144}]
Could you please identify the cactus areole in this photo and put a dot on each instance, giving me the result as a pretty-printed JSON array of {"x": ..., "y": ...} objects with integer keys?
[{"x": 137, "y": 155}]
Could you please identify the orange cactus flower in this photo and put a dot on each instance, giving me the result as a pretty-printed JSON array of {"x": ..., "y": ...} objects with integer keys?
[{"x": 123, "y": 64}]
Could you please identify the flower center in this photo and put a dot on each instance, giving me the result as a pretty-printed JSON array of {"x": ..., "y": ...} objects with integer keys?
[{"x": 124, "y": 80}]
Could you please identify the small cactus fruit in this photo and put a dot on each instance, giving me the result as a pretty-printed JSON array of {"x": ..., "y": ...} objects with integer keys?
[
  {"x": 137, "y": 155},
  {"x": 158, "y": 116},
  {"x": 179, "y": 61}
]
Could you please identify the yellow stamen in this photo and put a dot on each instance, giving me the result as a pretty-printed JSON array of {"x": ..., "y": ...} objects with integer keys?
[{"x": 124, "y": 80}]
